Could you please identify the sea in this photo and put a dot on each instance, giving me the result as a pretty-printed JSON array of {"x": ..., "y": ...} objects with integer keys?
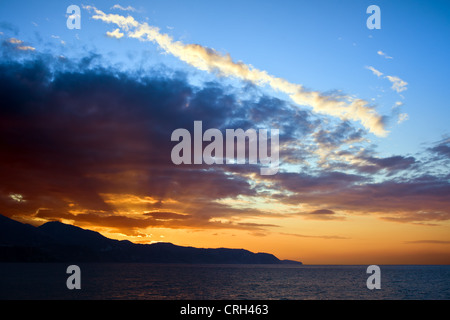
[{"x": 141, "y": 281}]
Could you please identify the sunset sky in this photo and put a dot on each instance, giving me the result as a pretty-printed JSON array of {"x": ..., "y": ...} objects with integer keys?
[{"x": 86, "y": 118}]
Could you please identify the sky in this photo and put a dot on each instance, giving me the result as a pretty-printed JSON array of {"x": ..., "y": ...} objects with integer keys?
[{"x": 87, "y": 115}]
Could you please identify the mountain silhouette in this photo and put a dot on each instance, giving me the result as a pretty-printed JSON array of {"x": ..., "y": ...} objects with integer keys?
[{"x": 59, "y": 242}]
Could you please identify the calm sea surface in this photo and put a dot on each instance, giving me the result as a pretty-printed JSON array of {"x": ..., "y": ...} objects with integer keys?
[{"x": 221, "y": 282}]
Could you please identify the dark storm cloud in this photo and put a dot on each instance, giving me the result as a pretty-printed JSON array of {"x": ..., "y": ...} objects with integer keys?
[
  {"x": 74, "y": 131},
  {"x": 322, "y": 182},
  {"x": 77, "y": 139},
  {"x": 390, "y": 164},
  {"x": 422, "y": 199},
  {"x": 442, "y": 148},
  {"x": 344, "y": 132}
]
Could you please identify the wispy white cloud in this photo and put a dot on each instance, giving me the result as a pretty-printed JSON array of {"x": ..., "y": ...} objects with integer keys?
[
  {"x": 381, "y": 53},
  {"x": 402, "y": 117},
  {"x": 398, "y": 84},
  {"x": 375, "y": 71},
  {"x": 207, "y": 59},
  {"x": 119, "y": 7},
  {"x": 397, "y": 104}
]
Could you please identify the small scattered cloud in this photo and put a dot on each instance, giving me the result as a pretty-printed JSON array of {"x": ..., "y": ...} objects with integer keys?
[
  {"x": 115, "y": 34},
  {"x": 375, "y": 71},
  {"x": 20, "y": 45},
  {"x": 15, "y": 41},
  {"x": 397, "y": 104},
  {"x": 402, "y": 117},
  {"x": 397, "y": 84},
  {"x": 17, "y": 197},
  {"x": 381, "y": 53}
]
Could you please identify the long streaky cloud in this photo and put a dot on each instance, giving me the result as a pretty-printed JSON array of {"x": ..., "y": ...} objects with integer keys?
[
  {"x": 203, "y": 58},
  {"x": 119, "y": 7}
]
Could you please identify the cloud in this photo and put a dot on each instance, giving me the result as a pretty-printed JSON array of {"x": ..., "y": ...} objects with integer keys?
[
  {"x": 19, "y": 45},
  {"x": 397, "y": 104},
  {"x": 341, "y": 134},
  {"x": 419, "y": 200},
  {"x": 442, "y": 148},
  {"x": 115, "y": 34},
  {"x": 165, "y": 215},
  {"x": 93, "y": 145},
  {"x": 323, "y": 214},
  {"x": 96, "y": 144},
  {"x": 402, "y": 117},
  {"x": 322, "y": 211},
  {"x": 119, "y": 7},
  {"x": 393, "y": 162},
  {"x": 15, "y": 41},
  {"x": 26, "y": 48},
  {"x": 126, "y": 23},
  {"x": 203, "y": 58},
  {"x": 375, "y": 71},
  {"x": 381, "y": 53},
  {"x": 427, "y": 242},
  {"x": 315, "y": 236},
  {"x": 397, "y": 84}
]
